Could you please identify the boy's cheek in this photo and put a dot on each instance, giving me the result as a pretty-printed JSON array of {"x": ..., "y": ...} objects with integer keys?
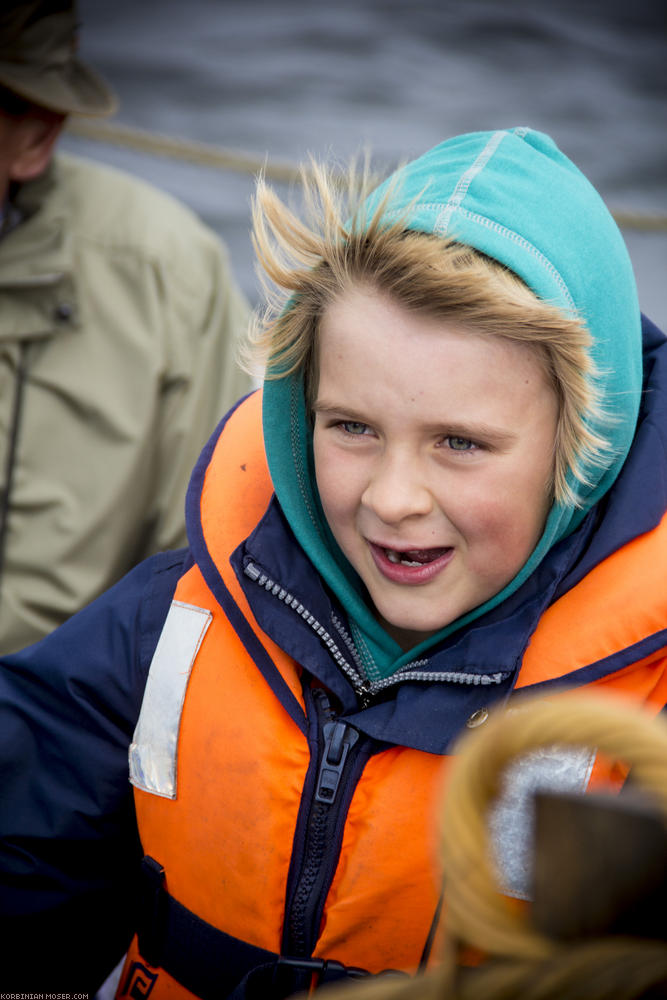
[{"x": 338, "y": 486}]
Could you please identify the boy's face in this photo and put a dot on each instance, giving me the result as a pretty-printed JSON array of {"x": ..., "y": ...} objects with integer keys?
[{"x": 434, "y": 453}]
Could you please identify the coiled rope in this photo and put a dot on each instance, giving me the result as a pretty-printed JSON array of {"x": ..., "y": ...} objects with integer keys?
[
  {"x": 525, "y": 964},
  {"x": 207, "y": 155},
  {"x": 533, "y": 966}
]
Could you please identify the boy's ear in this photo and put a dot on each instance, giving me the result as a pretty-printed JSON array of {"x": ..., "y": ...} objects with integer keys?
[{"x": 33, "y": 145}]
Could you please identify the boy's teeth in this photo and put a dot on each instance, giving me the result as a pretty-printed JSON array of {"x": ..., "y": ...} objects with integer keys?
[
  {"x": 414, "y": 557},
  {"x": 397, "y": 557}
]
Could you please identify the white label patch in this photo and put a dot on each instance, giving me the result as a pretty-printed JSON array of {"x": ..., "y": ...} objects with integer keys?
[{"x": 154, "y": 748}]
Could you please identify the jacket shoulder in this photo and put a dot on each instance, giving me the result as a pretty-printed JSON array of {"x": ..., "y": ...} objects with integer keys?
[
  {"x": 106, "y": 647},
  {"x": 105, "y": 204}
]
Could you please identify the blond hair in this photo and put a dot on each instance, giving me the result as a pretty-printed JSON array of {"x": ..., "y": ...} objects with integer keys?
[{"x": 310, "y": 263}]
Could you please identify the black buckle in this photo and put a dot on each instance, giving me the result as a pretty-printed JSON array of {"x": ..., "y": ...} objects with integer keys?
[{"x": 324, "y": 970}]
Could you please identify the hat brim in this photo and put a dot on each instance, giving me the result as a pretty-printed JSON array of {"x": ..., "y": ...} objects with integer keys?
[{"x": 78, "y": 91}]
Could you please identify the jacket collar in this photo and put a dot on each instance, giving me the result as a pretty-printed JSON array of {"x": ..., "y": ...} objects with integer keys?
[
  {"x": 464, "y": 674},
  {"x": 36, "y": 263}
]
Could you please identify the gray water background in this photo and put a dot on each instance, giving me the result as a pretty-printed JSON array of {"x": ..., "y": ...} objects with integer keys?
[{"x": 288, "y": 78}]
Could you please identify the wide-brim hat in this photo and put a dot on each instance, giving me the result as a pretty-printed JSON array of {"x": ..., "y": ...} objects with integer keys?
[{"x": 38, "y": 60}]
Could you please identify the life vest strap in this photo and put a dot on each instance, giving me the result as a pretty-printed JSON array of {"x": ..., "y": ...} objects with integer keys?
[
  {"x": 213, "y": 964},
  {"x": 196, "y": 954},
  {"x": 152, "y": 911}
]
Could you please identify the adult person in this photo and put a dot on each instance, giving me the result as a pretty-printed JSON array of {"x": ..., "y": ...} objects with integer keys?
[
  {"x": 119, "y": 318},
  {"x": 450, "y": 494}
]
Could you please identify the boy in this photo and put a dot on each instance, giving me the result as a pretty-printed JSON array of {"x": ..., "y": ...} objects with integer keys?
[{"x": 463, "y": 501}]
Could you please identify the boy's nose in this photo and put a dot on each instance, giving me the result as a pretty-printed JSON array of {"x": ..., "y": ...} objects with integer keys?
[{"x": 396, "y": 491}]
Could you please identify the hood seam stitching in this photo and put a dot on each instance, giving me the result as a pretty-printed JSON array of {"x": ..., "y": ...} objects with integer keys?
[{"x": 465, "y": 180}]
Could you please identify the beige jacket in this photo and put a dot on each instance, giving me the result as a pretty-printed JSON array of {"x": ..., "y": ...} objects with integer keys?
[{"x": 119, "y": 306}]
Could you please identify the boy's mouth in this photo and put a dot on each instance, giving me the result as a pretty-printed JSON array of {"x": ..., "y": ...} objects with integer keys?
[
  {"x": 412, "y": 567},
  {"x": 413, "y": 557}
]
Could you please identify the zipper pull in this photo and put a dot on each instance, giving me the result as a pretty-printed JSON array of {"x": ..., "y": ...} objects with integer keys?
[{"x": 338, "y": 738}]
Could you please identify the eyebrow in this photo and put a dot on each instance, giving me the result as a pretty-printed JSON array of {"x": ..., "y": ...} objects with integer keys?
[{"x": 497, "y": 436}]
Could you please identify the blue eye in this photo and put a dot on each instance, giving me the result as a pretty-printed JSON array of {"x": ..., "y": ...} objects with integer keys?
[
  {"x": 460, "y": 443},
  {"x": 353, "y": 427}
]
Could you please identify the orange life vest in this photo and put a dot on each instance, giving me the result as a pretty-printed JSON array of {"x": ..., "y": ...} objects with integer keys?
[{"x": 233, "y": 813}]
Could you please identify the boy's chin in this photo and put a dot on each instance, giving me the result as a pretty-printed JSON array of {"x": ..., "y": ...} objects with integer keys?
[{"x": 406, "y": 636}]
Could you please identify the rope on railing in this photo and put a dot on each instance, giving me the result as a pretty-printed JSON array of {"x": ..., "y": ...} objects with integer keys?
[
  {"x": 207, "y": 155},
  {"x": 201, "y": 153}
]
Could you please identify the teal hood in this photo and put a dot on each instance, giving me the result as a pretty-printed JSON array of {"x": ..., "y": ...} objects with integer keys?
[{"x": 514, "y": 196}]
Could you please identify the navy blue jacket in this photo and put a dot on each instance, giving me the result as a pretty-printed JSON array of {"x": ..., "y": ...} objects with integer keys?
[{"x": 69, "y": 850}]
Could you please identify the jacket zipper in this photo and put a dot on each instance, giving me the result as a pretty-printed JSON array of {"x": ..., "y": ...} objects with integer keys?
[
  {"x": 12, "y": 448},
  {"x": 340, "y": 747},
  {"x": 363, "y": 687}
]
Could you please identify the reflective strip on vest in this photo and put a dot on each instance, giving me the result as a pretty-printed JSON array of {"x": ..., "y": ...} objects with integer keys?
[
  {"x": 154, "y": 748},
  {"x": 512, "y": 819}
]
